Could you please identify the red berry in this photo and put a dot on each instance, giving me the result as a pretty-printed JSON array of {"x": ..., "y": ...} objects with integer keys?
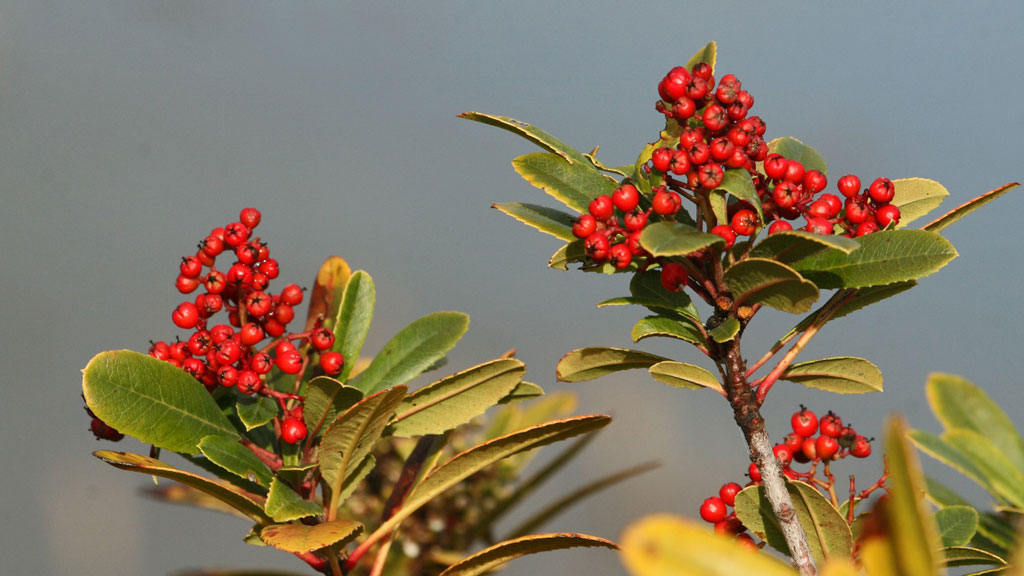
[
  {"x": 673, "y": 276},
  {"x": 292, "y": 296},
  {"x": 730, "y": 526},
  {"x": 713, "y": 510},
  {"x": 602, "y": 207},
  {"x": 194, "y": 366},
  {"x": 794, "y": 442},
  {"x": 861, "y": 447},
  {"x": 810, "y": 449},
  {"x": 849, "y": 185},
  {"x": 257, "y": 303},
  {"x": 814, "y": 181},
  {"x": 269, "y": 267},
  {"x": 293, "y": 430},
  {"x": 212, "y": 245},
  {"x": 710, "y": 175},
  {"x": 239, "y": 275},
  {"x": 283, "y": 314},
  {"x": 227, "y": 376},
  {"x": 620, "y": 256},
  {"x": 289, "y": 362},
  {"x": 596, "y": 246},
  {"x": 584, "y": 226},
  {"x": 283, "y": 347},
  {"x": 104, "y": 432},
  {"x": 882, "y": 191},
  {"x": 249, "y": 382},
  {"x": 227, "y": 352},
  {"x": 634, "y": 220},
  {"x": 699, "y": 153},
  {"x": 835, "y": 204},
  {"x": 819, "y": 226},
  {"x": 191, "y": 267},
  {"x": 684, "y": 108},
  {"x": 779, "y": 226},
  {"x": 185, "y": 316},
  {"x": 786, "y": 194},
  {"x": 775, "y": 166},
  {"x": 332, "y": 363},
  {"x": 754, "y": 473},
  {"x": 887, "y": 215},
  {"x": 865, "y": 228},
  {"x": 728, "y": 492},
  {"x": 199, "y": 343},
  {"x": 322, "y": 338},
  {"x": 744, "y": 222},
  {"x": 783, "y": 454},
  {"x": 804, "y": 422},
  {"x": 261, "y": 363},
  {"x": 820, "y": 209},
  {"x": 727, "y": 233},
  {"x": 831, "y": 425},
  {"x": 715, "y": 118},
  {"x": 186, "y": 285},
  {"x": 826, "y": 447},
  {"x": 794, "y": 171},
  {"x": 235, "y": 234},
  {"x": 680, "y": 163},
  {"x": 250, "y": 217},
  {"x": 626, "y": 197},
  {"x": 665, "y": 203},
  {"x": 251, "y": 334},
  {"x": 660, "y": 159},
  {"x": 857, "y": 210}
]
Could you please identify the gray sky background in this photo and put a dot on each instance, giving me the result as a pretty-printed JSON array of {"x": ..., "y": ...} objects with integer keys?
[{"x": 129, "y": 129}]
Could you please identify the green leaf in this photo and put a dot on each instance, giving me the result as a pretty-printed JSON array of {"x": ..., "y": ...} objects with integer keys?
[
  {"x": 719, "y": 206},
  {"x": 326, "y": 295},
  {"x": 457, "y": 399},
  {"x": 412, "y": 351},
  {"x": 299, "y": 538},
  {"x": 966, "y": 556},
  {"x": 949, "y": 455},
  {"x": 465, "y": 464},
  {"x": 725, "y": 331},
  {"x": 355, "y": 476},
  {"x": 795, "y": 245},
  {"x": 574, "y": 185},
  {"x": 354, "y": 316},
  {"x": 175, "y": 493},
  {"x": 248, "y": 504},
  {"x": 589, "y": 363},
  {"x": 767, "y": 282},
  {"x": 916, "y": 197},
  {"x": 913, "y": 534},
  {"x": 669, "y": 327},
  {"x": 528, "y": 131},
  {"x": 663, "y": 545},
  {"x": 325, "y": 399},
  {"x": 522, "y": 391},
  {"x": 623, "y": 171},
  {"x": 547, "y": 220},
  {"x": 739, "y": 185},
  {"x": 957, "y": 525},
  {"x": 867, "y": 296},
  {"x": 943, "y": 222},
  {"x": 494, "y": 556},
  {"x": 152, "y": 400},
  {"x": 958, "y": 403},
  {"x": 793, "y": 149},
  {"x": 884, "y": 257},
  {"x": 828, "y": 535},
  {"x": 708, "y": 54},
  {"x": 683, "y": 375},
  {"x": 675, "y": 239},
  {"x": 352, "y": 436},
  {"x": 646, "y": 290},
  {"x": 284, "y": 505},
  {"x": 1007, "y": 482},
  {"x": 235, "y": 458},
  {"x": 841, "y": 375},
  {"x": 255, "y": 411}
]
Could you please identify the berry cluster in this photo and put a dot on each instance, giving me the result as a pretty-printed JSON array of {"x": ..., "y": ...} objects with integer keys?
[
  {"x": 814, "y": 441},
  {"x": 237, "y": 354},
  {"x": 716, "y": 134}
]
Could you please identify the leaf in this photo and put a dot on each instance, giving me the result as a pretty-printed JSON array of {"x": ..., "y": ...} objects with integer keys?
[
  {"x": 235, "y": 458},
  {"x": 966, "y": 556},
  {"x": 353, "y": 322},
  {"x": 547, "y": 220},
  {"x": 957, "y": 525},
  {"x": 913, "y": 534},
  {"x": 528, "y": 131},
  {"x": 589, "y": 363},
  {"x": 707, "y": 54},
  {"x": 867, "y": 296},
  {"x": 552, "y": 510},
  {"x": 351, "y": 437},
  {"x": 299, "y": 538},
  {"x": 943, "y": 222},
  {"x": 916, "y": 197},
  {"x": 248, "y": 504},
  {"x": 683, "y": 375},
  {"x": 794, "y": 245},
  {"x": 1006, "y": 481},
  {"x": 828, "y": 535},
  {"x": 623, "y": 171},
  {"x": 841, "y": 375},
  {"x": 739, "y": 185},
  {"x": 574, "y": 185},
  {"x": 326, "y": 295},
  {"x": 669, "y": 327},
  {"x": 457, "y": 399},
  {"x": 942, "y": 451},
  {"x": 646, "y": 290},
  {"x": 767, "y": 282},
  {"x": 793, "y": 149},
  {"x": 325, "y": 399},
  {"x": 284, "y": 505},
  {"x": 152, "y": 400},
  {"x": 412, "y": 351},
  {"x": 884, "y": 257},
  {"x": 958, "y": 403},
  {"x": 725, "y": 331},
  {"x": 675, "y": 239},
  {"x": 663, "y": 545},
  {"x": 522, "y": 391},
  {"x": 464, "y": 465},
  {"x": 719, "y": 206},
  {"x": 189, "y": 496},
  {"x": 494, "y": 556},
  {"x": 355, "y": 476},
  {"x": 255, "y": 411}
]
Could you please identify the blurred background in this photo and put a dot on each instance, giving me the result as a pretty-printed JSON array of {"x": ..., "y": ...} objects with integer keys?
[{"x": 129, "y": 129}]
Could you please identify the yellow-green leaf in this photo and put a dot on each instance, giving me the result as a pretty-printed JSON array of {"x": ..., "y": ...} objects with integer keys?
[
  {"x": 708, "y": 54},
  {"x": 916, "y": 197},
  {"x": 794, "y": 245},
  {"x": 771, "y": 283},
  {"x": 957, "y": 524},
  {"x": 841, "y": 375},
  {"x": 325, "y": 399},
  {"x": 415, "y": 348},
  {"x": 494, "y": 556},
  {"x": 547, "y": 220},
  {"x": 589, "y": 363},
  {"x": 793, "y": 149},
  {"x": 528, "y": 131},
  {"x": 353, "y": 320},
  {"x": 968, "y": 556},
  {"x": 299, "y": 538},
  {"x": 284, "y": 505},
  {"x": 725, "y": 331},
  {"x": 943, "y": 222},
  {"x": 573, "y": 184},
  {"x": 683, "y": 375},
  {"x": 325, "y": 298},
  {"x": 235, "y": 458},
  {"x": 676, "y": 239},
  {"x": 651, "y": 326}
]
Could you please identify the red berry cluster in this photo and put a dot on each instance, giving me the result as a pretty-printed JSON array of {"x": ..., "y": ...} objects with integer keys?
[
  {"x": 237, "y": 355},
  {"x": 813, "y": 440}
]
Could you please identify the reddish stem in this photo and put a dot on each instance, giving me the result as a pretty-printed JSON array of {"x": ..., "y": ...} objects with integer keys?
[{"x": 272, "y": 460}]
